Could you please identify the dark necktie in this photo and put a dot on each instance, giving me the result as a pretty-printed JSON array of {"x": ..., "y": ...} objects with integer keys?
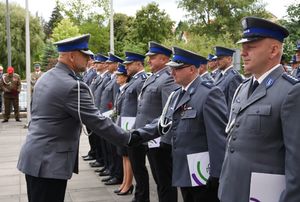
[
  {"x": 253, "y": 87},
  {"x": 180, "y": 96},
  {"x": 220, "y": 75}
]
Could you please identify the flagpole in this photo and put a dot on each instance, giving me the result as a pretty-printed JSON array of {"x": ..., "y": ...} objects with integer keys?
[
  {"x": 112, "y": 49},
  {"x": 28, "y": 77}
]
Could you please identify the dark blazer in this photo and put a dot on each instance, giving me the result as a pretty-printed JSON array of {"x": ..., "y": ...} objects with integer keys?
[
  {"x": 229, "y": 83},
  {"x": 89, "y": 76},
  {"x": 51, "y": 146},
  {"x": 131, "y": 93},
  {"x": 108, "y": 95},
  {"x": 263, "y": 137},
  {"x": 153, "y": 97}
]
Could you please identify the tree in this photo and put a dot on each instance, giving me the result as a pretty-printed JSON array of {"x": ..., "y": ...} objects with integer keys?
[
  {"x": 292, "y": 23},
  {"x": 99, "y": 41},
  {"x": 122, "y": 27},
  {"x": 218, "y": 17},
  {"x": 55, "y": 18},
  {"x": 150, "y": 24},
  {"x": 65, "y": 29},
  {"x": 17, "y": 23},
  {"x": 201, "y": 44},
  {"x": 49, "y": 55}
]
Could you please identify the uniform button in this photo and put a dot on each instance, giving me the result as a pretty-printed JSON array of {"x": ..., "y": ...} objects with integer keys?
[
  {"x": 231, "y": 150},
  {"x": 233, "y": 137},
  {"x": 237, "y": 125},
  {"x": 232, "y": 108}
]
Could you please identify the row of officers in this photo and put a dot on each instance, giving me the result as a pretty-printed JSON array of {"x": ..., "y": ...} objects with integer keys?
[
  {"x": 144, "y": 97},
  {"x": 208, "y": 134}
]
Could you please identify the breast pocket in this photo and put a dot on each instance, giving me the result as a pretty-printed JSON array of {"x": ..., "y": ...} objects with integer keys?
[{"x": 256, "y": 119}]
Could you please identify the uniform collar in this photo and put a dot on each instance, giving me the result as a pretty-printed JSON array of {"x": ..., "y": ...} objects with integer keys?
[
  {"x": 225, "y": 70},
  {"x": 262, "y": 77}
]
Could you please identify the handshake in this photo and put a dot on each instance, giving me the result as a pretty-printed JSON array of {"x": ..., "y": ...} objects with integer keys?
[{"x": 135, "y": 139}]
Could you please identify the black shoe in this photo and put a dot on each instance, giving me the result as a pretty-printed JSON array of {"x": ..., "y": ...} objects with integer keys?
[
  {"x": 89, "y": 158},
  {"x": 84, "y": 156},
  {"x": 100, "y": 170},
  {"x": 129, "y": 191},
  {"x": 18, "y": 120},
  {"x": 117, "y": 191},
  {"x": 107, "y": 179},
  {"x": 113, "y": 181},
  {"x": 5, "y": 120},
  {"x": 96, "y": 164},
  {"x": 105, "y": 173}
]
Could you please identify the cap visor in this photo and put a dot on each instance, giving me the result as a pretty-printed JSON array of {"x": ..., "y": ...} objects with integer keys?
[
  {"x": 150, "y": 54},
  {"x": 120, "y": 73},
  {"x": 246, "y": 40},
  {"x": 175, "y": 64},
  {"x": 87, "y": 52},
  {"x": 127, "y": 62}
]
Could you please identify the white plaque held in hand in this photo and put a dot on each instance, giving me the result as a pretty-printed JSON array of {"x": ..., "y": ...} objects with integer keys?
[
  {"x": 127, "y": 122},
  {"x": 199, "y": 168},
  {"x": 266, "y": 187}
]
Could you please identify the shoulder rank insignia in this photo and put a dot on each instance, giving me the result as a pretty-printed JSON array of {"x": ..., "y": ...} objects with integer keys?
[
  {"x": 290, "y": 78},
  {"x": 208, "y": 84}
]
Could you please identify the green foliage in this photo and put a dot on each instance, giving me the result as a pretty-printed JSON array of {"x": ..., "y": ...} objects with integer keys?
[
  {"x": 150, "y": 24},
  {"x": 292, "y": 23},
  {"x": 104, "y": 5},
  {"x": 17, "y": 24},
  {"x": 122, "y": 27},
  {"x": 202, "y": 45},
  {"x": 99, "y": 41},
  {"x": 64, "y": 29},
  {"x": 76, "y": 10},
  {"x": 49, "y": 55},
  {"x": 55, "y": 18},
  {"x": 218, "y": 17}
]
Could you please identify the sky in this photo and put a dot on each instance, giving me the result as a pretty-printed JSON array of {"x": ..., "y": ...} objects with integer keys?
[{"x": 129, "y": 7}]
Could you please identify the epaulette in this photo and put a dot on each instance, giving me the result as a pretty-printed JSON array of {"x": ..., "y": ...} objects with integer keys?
[
  {"x": 76, "y": 77},
  {"x": 144, "y": 76},
  {"x": 208, "y": 84},
  {"x": 247, "y": 79},
  {"x": 234, "y": 71},
  {"x": 290, "y": 78}
]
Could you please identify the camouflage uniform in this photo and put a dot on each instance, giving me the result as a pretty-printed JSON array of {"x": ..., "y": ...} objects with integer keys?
[{"x": 11, "y": 86}]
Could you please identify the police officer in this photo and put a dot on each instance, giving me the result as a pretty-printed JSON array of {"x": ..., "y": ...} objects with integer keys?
[
  {"x": 134, "y": 64},
  {"x": 50, "y": 152},
  {"x": 11, "y": 86},
  {"x": 195, "y": 115},
  {"x": 122, "y": 79},
  {"x": 91, "y": 72},
  {"x": 213, "y": 65},
  {"x": 94, "y": 140},
  {"x": 204, "y": 74},
  {"x": 152, "y": 99},
  {"x": 228, "y": 79},
  {"x": 263, "y": 133},
  {"x": 296, "y": 61},
  {"x": 114, "y": 169}
]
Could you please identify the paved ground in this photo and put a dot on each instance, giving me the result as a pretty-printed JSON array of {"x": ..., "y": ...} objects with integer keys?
[{"x": 85, "y": 187}]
